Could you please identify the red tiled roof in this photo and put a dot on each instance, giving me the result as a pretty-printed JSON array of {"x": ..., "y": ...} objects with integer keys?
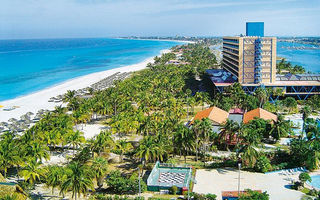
[
  {"x": 215, "y": 114},
  {"x": 236, "y": 111},
  {"x": 259, "y": 113}
]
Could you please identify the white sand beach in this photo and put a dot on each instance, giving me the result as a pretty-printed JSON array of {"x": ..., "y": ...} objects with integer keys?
[{"x": 39, "y": 100}]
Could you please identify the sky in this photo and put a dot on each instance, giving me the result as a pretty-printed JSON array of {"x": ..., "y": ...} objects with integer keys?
[{"x": 112, "y": 18}]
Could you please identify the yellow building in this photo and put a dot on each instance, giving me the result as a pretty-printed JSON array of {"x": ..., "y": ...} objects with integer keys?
[{"x": 251, "y": 59}]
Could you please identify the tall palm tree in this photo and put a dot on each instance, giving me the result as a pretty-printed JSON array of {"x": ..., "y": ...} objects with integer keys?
[
  {"x": 8, "y": 157},
  {"x": 184, "y": 140},
  {"x": 32, "y": 171},
  {"x": 101, "y": 143},
  {"x": 75, "y": 138},
  {"x": 306, "y": 112},
  {"x": 262, "y": 95},
  {"x": 38, "y": 151},
  {"x": 196, "y": 127},
  {"x": 228, "y": 130},
  {"x": 99, "y": 166},
  {"x": 122, "y": 146},
  {"x": 147, "y": 149},
  {"x": 279, "y": 128},
  {"x": 69, "y": 96},
  {"x": 78, "y": 180},
  {"x": 250, "y": 140},
  {"x": 55, "y": 176}
]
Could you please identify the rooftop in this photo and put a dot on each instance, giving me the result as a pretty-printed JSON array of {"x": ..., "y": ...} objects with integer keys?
[
  {"x": 259, "y": 113},
  {"x": 215, "y": 114},
  {"x": 221, "y": 76}
]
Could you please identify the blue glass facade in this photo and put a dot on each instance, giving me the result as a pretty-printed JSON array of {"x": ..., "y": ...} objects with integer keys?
[{"x": 255, "y": 29}]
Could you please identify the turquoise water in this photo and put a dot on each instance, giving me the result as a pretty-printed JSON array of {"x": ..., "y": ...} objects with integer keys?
[
  {"x": 31, "y": 65},
  {"x": 308, "y": 58},
  {"x": 315, "y": 181}
]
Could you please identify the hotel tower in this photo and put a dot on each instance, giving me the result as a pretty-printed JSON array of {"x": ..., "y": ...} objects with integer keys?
[{"x": 251, "y": 58}]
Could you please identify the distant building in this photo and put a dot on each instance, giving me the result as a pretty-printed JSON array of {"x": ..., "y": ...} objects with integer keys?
[{"x": 251, "y": 61}]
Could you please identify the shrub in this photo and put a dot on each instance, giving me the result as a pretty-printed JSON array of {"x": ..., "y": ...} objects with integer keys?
[
  {"x": 313, "y": 192},
  {"x": 158, "y": 198},
  {"x": 196, "y": 196},
  {"x": 304, "y": 177},
  {"x": 211, "y": 196},
  {"x": 254, "y": 195},
  {"x": 124, "y": 185},
  {"x": 263, "y": 164},
  {"x": 174, "y": 190}
]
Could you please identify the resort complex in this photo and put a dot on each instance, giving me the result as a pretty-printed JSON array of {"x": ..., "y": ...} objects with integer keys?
[
  {"x": 160, "y": 130},
  {"x": 251, "y": 61}
]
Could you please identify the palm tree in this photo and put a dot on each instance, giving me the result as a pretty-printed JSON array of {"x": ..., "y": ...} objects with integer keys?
[
  {"x": 102, "y": 142},
  {"x": 69, "y": 96},
  {"x": 228, "y": 130},
  {"x": 184, "y": 140},
  {"x": 9, "y": 154},
  {"x": 78, "y": 180},
  {"x": 32, "y": 171},
  {"x": 147, "y": 149},
  {"x": 99, "y": 166},
  {"x": 75, "y": 138},
  {"x": 279, "y": 128},
  {"x": 262, "y": 95},
  {"x": 38, "y": 151},
  {"x": 196, "y": 127},
  {"x": 250, "y": 140},
  {"x": 122, "y": 146},
  {"x": 306, "y": 112},
  {"x": 54, "y": 176}
]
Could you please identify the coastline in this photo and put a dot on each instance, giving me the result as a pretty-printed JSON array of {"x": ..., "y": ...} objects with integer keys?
[
  {"x": 39, "y": 100},
  {"x": 181, "y": 41}
]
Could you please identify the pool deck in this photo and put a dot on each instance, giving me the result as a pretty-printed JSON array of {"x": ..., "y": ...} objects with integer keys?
[{"x": 217, "y": 180}]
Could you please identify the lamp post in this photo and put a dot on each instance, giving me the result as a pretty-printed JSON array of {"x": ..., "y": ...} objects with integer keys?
[{"x": 239, "y": 165}]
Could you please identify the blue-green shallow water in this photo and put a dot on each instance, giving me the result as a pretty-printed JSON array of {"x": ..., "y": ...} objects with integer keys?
[
  {"x": 315, "y": 181},
  {"x": 27, "y": 66},
  {"x": 308, "y": 58}
]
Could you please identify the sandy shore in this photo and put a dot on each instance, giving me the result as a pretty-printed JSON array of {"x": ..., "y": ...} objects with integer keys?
[{"x": 39, "y": 100}]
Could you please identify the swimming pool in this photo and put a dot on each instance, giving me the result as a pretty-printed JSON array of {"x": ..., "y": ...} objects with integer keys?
[
  {"x": 315, "y": 181},
  {"x": 298, "y": 123}
]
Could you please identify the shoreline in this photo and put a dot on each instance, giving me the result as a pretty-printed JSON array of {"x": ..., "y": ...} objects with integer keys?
[
  {"x": 180, "y": 41},
  {"x": 39, "y": 100}
]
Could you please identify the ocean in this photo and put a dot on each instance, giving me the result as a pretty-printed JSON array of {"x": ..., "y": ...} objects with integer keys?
[
  {"x": 27, "y": 66},
  {"x": 307, "y": 58}
]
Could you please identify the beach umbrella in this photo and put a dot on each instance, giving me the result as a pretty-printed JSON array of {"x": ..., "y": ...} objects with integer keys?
[
  {"x": 12, "y": 120},
  {"x": 4, "y": 124},
  {"x": 29, "y": 113}
]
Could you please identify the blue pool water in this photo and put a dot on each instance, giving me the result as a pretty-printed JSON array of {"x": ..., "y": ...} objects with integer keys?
[
  {"x": 315, "y": 181},
  {"x": 307, "y": 58},
  {"x": 298, "y": 123},
  {"x": 27, "y": 66}
]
